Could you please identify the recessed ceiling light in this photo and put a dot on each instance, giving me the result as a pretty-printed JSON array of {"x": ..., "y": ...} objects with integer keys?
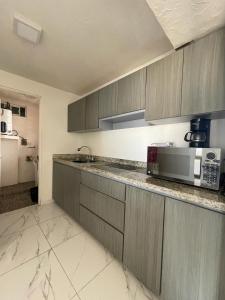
[{"x": 26, "y": 29}]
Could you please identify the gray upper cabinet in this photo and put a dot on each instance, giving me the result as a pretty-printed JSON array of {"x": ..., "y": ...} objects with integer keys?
[
  {"x": 163, "y": 87},
  {"x": 91, "y": 114},
  {"x": 131, "y": 92},
  {"x": 108, "y": 101},
  {"x": 76, "y": 115},
  {"x": 204, "y": 75},
  {"x": 144, "y": 236},
  {"x": 193, "y": 256}
]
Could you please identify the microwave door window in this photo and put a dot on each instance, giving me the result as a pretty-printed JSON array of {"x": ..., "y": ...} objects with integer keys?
[{"x": 176, "y": 166}]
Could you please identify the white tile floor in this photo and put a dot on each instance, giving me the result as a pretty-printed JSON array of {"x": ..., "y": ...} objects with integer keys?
[{"x": 45, "y": 255}]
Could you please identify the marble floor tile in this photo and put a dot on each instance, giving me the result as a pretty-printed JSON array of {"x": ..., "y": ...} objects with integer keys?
[
  {"x": 45, "y": 212},
  {"x": 115, "y": 283},
  {"x": 15, "y": 221},
  {"x": 41, "y": 278},
  {"x": 19, "y": 247},
  {"x": 82, "y": 257},
  {"x": 60, "y": 229}
]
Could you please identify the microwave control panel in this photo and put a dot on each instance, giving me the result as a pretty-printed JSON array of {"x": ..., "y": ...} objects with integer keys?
[{"x": 211, "y": 163}]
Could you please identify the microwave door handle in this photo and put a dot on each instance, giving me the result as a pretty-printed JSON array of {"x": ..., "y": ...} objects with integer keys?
[{"x": 197, "y": 167}]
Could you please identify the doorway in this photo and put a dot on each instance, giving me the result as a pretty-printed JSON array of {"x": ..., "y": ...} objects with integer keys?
[{"x": 19, "y": 146}]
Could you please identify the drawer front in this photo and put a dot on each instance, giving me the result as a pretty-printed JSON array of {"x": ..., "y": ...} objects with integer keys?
[
  {"x": 106, "y": 234},
  {"x": 104, "y": 185},
  {"x": 109, "y": 209}
]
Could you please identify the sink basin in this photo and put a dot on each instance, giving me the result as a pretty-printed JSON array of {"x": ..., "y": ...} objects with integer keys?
[{"x": 81, "y": 161}]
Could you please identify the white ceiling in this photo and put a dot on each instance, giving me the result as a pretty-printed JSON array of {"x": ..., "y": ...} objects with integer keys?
[
  {"x": 85, "y": 43},
  {"x": 186, "y": 20}
]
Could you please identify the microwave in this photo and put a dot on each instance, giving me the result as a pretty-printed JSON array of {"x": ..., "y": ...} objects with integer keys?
[{"x": 195, "y": 166}]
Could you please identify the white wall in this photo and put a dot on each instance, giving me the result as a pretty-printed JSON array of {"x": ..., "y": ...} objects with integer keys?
[
  {"x": 132, "y": 143},
  {"x": 53, "y": 136}
]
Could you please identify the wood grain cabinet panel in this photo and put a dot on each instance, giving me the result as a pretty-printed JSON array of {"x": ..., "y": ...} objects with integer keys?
[
  {"x": 204, "y": 75},
  {"x": 144, "y": 236},
  {"x": 163, "y": 87},
  {"x": 131, "y": 92},
  {"x": 72, "y": 192},
  {"x": 104, "y": 185},
  {"x": 58, "y": 184},
  {"x": 193, "y": 256},
  {"x": 76, "y": 115},
  {"x": 66, "y": 189},
  {"x": 106, "y": 234},
  {"x": 108, "y": 208},
  {"x": 108, "y": 100},
  {"x": 91, "y": 116}
]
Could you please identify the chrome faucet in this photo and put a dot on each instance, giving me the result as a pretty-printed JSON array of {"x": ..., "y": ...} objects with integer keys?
[{"x": 89, "y": 157}]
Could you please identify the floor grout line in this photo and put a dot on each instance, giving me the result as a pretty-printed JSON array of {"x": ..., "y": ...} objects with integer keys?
[
  {"x": 13, "y": 269},
  {"x": 60, "y": 263}
]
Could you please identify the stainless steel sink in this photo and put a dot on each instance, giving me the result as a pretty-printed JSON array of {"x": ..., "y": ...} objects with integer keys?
[{"x": 81, "y": 161}]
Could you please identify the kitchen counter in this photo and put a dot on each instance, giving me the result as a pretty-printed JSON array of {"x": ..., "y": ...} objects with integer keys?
[{"x": 138, "y": 178}]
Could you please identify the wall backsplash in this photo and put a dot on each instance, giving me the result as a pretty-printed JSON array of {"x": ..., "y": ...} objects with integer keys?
[{"x": 132, "y": 143}]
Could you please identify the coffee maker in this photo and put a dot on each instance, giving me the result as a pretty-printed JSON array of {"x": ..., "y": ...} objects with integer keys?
[{"x": 199, "y": 134}]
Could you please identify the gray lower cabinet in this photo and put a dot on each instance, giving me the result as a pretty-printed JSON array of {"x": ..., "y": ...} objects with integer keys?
[
  {"x": 106, "y": 207},
  {"x": 104, "y": 185},
  {"x": 203, "y": 87},
  {"x": 108, "y": 101},
  {"x": 58, "y": 184},
  {"x": 163, "y": 87},
  {"x": 106, "y": 234},
  {"x": 76, "y": 115},
  {"x": 131, "y": 92},
  {"x": 143, "y": 237},
  {"x": 66, "y": 189},
  {"x": 72, "y": 192},
  {"x": 91, "y": 114},
  {"x": 193, "y": 256}
]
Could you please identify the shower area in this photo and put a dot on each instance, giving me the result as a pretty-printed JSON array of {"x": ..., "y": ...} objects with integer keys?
[{"x": 18, "y": 150}]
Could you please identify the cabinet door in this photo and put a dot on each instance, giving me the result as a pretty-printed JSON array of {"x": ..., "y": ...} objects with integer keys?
[
  {"x": 104, "y": 185},
  {"x": 92, "y": 112},
  {"x": 108, "y": 101},
  {"x": 204, "y": 75},
  {"x": 106, "y": 234},
  {"x": 72, "y": 192},
  {"x": 58, "y": 184},
  {"x": 163, "y": 87},
  {"x": 193, "y": 256},
  {"x": 107, "y": 208},
  {"x": 143, "y": 236},
  {"x": 131, "y": 92},
  {"x": 76, "y": 115}
]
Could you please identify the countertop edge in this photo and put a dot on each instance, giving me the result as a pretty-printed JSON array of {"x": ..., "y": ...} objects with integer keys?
[{"x": 166, "y": 192}]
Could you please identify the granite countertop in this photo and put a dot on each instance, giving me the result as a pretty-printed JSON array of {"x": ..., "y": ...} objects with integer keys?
[{"x": 138, "y": 178}]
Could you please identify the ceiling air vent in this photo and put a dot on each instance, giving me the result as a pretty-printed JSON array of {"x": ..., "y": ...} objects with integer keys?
[{"x": 26, "y": 29}]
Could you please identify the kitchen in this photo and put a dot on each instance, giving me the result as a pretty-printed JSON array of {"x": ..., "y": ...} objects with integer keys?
[{"x": 128, "y": 209}]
